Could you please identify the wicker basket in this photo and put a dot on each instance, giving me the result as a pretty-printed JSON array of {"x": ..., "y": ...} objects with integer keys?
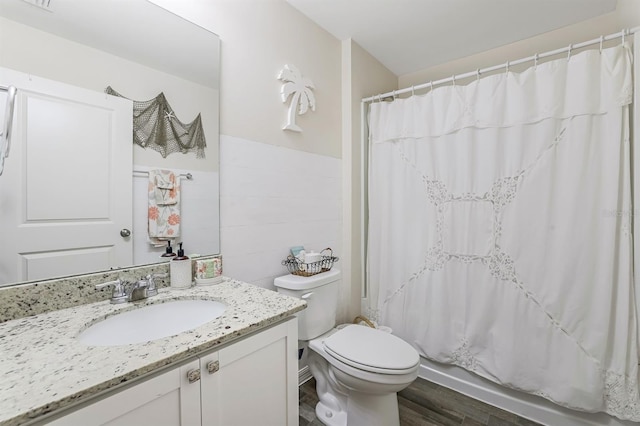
[{"x": 296, "y": 267}]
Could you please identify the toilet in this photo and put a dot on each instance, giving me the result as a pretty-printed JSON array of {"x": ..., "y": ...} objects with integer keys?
[{"x": 358, "y": 369}]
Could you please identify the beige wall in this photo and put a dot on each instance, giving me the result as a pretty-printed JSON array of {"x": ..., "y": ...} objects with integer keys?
[
  {"x": 363, "y": 75},
  {"x": 626, "y": 15},
  {"x": 258, "y": 38}
]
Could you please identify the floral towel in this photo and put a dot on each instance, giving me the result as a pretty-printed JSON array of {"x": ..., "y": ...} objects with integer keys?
[
  {"x": 164, "y": 206},
  {"x": 165, "y": 192}
]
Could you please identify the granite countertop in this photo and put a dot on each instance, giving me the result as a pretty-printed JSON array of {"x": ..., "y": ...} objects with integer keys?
[{"x": 45, "y": 368}]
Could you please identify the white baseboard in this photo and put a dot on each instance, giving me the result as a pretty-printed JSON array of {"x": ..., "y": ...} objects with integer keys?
[{"x": 304, "y": 375}]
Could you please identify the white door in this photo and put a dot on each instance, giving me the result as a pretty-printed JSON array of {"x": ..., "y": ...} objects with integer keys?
[{"x": 65, "y": 193}]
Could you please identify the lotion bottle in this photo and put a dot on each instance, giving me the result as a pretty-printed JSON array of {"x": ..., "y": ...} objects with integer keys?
[
  {"x": 168, "y": 254},
  {"x": 180, "y": 269}
]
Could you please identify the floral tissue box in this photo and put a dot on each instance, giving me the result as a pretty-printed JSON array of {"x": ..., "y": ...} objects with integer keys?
[{"x": 208, "y": 271}]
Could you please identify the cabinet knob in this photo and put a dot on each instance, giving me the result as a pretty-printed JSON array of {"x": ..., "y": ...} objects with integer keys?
[
  {"x": 213, "y": 366},
  {"x": 193, "y": 375}
]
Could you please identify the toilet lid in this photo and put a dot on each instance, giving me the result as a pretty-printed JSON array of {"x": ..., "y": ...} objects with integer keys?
[{"x": 372, "y": 350}]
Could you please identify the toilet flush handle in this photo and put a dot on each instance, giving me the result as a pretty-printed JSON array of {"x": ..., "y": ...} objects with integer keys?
[{"x": 306, "y": 295}]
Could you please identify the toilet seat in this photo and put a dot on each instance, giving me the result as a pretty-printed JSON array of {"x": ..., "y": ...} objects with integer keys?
[{"x": 372, "y": 350}]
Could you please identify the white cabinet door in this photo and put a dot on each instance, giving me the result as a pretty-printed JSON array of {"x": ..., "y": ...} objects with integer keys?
[
  {"x": 169, "y": 399},
  {"x": 60, "y": 215},
  {"x": 256, "y": 383}
]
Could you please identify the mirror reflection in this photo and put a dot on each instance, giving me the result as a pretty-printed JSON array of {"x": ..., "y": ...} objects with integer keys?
[{"x": 77, "y": 195}]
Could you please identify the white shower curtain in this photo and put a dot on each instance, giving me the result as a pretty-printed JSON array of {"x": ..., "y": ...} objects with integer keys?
[{"x": 500, "y": 229}]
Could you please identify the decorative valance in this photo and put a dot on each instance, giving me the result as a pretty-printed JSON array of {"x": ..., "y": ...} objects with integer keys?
[{"x": 590, "y": 83}]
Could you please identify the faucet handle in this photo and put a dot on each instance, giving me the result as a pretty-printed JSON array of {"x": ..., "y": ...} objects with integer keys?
[
  {"x": 119, "y": 294},
  {"x": 151, "y": 283}
]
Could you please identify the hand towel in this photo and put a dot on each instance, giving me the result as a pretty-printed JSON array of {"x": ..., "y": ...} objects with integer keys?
[
  {"x": 164, "y": 190},
  {"x": 164, "y": 206}
]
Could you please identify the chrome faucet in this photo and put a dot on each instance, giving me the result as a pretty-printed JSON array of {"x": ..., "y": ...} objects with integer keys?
[
  {"x": 119, "y": 294},
  {"x": 124, "y": 291}
]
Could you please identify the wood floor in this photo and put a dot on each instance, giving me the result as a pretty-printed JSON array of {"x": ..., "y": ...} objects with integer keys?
[{"x": 426, "y": 404}]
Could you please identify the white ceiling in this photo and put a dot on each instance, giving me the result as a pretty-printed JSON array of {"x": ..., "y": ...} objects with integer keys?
[{"x": 412, "y": 35}]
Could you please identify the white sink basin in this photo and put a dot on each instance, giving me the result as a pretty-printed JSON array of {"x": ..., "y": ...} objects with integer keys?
[{"x": 152, "y": 322}]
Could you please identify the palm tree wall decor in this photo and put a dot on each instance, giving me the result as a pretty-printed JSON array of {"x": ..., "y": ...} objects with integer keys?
[{"x": 303, "y": 97}]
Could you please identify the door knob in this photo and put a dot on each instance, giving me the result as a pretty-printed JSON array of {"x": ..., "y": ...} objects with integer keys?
[{"x": 125, "y": 233}]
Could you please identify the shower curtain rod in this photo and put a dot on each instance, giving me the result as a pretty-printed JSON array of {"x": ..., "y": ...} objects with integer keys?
[{"x": 506, "y": 65}]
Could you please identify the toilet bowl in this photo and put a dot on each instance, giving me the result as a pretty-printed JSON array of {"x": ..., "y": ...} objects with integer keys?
[{"x": 358, "y": 369}]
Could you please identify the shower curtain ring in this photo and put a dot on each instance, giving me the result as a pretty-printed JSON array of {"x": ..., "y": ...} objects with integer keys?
[
  {"x": 477, "y": 73},
  {"x": 507, "y": 67},
  {"x": 453, "y": 78},
  {"x": 601, "y": 41},
  {"x": 535, "y": 61},
  {"x": 569, "y": 54},
  {"x": 413, "y": 90},
  {"x": 624, "y": 33},
  {"x": 394, "y": 95},
  {"x": 431, "y": 84}
]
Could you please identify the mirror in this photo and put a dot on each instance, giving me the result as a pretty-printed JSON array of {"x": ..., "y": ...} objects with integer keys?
[{"x": 140, "y": 50}]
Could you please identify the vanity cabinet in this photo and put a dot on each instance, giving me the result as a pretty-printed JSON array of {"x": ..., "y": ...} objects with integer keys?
[{"x": 253, "y": 381}]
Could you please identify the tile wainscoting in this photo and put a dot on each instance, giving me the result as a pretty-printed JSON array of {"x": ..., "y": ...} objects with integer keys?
[{"x": 273, "y": 198}]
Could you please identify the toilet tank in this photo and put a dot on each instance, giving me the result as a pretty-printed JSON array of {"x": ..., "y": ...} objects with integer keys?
[{"x": 321, "y": 293}]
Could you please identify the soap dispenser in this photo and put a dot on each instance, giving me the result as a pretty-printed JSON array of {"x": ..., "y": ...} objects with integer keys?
[
  {"x": 168, "y": 254},
  {"x": 180, "y": 269}
]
